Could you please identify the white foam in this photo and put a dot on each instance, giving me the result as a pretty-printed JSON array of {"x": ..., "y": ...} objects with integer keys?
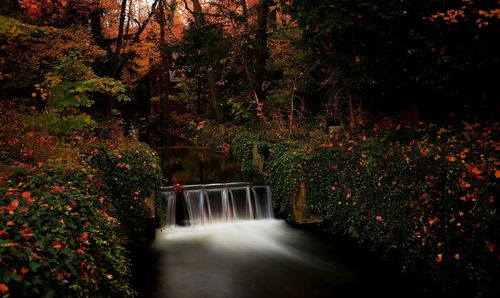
[{"x": 237, "y": 237}]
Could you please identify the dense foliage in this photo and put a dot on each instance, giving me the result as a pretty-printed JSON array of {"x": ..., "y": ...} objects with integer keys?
[
  {"x": 424, "y": 197},
  {"x": 129, "y": 178},
  {"x": 242, "y": 149},
  {"x": 66, "y": 212},
  {"x": 58, "y": 238},
  {"x": 392, "y": 54}
]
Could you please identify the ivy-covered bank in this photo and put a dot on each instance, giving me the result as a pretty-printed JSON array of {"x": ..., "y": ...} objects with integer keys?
[
  {"x": 63, "y": 226},
  {"x": 67, "y": 204},
  {"x": 425, "y": 198}
]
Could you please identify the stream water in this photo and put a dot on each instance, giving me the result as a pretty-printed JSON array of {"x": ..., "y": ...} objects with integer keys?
[
  {"x": 222, "y": 241},
  {"x": 261, "y": 258}
]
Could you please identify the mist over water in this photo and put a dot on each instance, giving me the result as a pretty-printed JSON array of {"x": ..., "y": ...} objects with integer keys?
[
  {"x": 221, "y": 240},
  {"x": 260, "y": 258},
  {"x": 244, "y": 237}
]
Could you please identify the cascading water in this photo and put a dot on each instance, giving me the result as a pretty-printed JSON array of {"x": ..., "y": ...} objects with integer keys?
[
  {"x": 217, "y": 203},
  {"x": 234, "y": 247}
]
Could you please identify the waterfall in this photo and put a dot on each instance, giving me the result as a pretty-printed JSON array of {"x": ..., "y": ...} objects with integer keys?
[{"x": 217, "y": 203}]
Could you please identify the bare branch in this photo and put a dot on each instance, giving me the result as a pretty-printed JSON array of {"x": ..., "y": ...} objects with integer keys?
[
  {"x": 141, "y": 28},
  {"x": 187, "y": 7}
]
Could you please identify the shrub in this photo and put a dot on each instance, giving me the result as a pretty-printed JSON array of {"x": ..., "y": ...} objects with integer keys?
[
  {"x": 424, "y": 197},
  {"x": 284, "y": 174},
  {"x": 57, "y": 238},
  {"x": 128, "y": 177},
  {"x": 242, "y": 150}
]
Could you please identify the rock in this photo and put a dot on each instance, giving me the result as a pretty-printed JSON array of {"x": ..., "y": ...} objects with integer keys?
[
  {"x": 258, "y": 159},
  {"x": 149, "y": 203},
  {"x": 315, "y": 133},
  {"x": 299, "y": 205},
  {"x": 334, "y": 129}
]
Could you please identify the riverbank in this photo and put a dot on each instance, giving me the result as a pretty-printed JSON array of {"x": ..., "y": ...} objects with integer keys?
[
  {"x": 69, "y": 201},
  {"x": 421, "y": 196}
]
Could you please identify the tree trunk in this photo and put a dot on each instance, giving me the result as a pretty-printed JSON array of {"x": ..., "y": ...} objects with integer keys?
[
  {"x": 244, "y": 8},
  {"x": 197, "y": 7},
  {"x": 10, "y": 7},
  {"x": 165, "y": 65},
  {"x": 197, "y": 12},
  {"x": 119, "y": 39},
  {"x": 214, "y": 94},
  {"x": 273, "y": 17},
  {"x": 211, "y": 73},
  {"x": 96, "y": 29},
  {"x": 129, "y": 18},
  {"x": 261, "y": 48}
]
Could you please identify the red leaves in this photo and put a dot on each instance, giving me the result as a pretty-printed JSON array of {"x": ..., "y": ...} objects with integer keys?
[
  {"x": 26, "y": 195},
  {"x": 490, "y": 247},
  {"x": 57, "y": 189},
  {"x": 464, "y": 184},
  {"x": 4, "y": 289},
  {"x": 475, "y": 171},
  {"x": 433, "y": 220},
  {"x": 439, "y": 258},
  {"x": 3, "y": 233},
  {"x": 424, "y": 152},
  {"x": 13, "y": 205},
  {"x": 60, "y": 275},
  {"x": 85, "y": 236},
  {"x": 81, "y": 251},
  {"x": 26, "y": 233}
]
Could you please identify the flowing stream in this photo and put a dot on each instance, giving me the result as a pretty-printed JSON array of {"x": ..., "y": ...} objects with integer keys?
[{"x": 221, "y": 240}]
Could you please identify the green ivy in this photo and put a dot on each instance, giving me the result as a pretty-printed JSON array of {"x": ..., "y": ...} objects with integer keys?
[
  {"x": 284, "y": 171},
  {"x": 424, "y": 198},
  {"x": 242, "y": 147},
  {"x": 129, "y": 178},
  {"x": 58, "y": 237}
]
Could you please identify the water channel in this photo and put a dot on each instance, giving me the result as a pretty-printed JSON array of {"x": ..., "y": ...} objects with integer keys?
[{"x": 241, "y": 252}]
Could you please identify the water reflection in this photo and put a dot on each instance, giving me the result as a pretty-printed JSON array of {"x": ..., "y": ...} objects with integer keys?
[{"x": 196, "y": 165}]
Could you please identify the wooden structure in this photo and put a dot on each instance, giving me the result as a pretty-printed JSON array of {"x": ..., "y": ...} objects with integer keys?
[{"x": 148, "y": 91}]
